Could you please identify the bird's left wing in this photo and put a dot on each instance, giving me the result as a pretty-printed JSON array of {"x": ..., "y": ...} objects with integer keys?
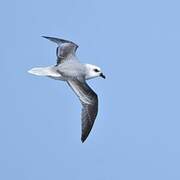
[
  {"x": 89, "y": 101},
  {"x": 66, "y": 49}
]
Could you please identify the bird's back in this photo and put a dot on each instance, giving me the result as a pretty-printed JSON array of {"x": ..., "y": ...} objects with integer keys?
[{"x": 72, "y": 69}]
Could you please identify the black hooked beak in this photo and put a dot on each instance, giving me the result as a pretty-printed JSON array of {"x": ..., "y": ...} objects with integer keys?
[{"x": 103, "y": 76}]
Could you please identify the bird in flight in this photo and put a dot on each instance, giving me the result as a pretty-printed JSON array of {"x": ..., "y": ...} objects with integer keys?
[{"x": 69, "y": 69}]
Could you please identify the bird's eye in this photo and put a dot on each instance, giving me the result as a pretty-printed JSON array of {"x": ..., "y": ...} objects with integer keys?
[{"x": 96, "y": 70}]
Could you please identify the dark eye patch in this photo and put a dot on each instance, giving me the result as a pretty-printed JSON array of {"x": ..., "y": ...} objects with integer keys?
[{"x": 96, "y": 70}]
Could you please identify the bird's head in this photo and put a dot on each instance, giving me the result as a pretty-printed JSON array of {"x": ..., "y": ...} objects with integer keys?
[{"x": 93, "y": 71}]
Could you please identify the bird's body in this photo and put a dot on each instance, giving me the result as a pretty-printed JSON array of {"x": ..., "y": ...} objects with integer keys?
[
  {"x": 72, "y": 69},
  {"x": 69, "y": 69}
]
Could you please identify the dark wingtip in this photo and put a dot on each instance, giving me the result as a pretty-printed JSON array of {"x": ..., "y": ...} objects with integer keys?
[
  {"x": 59, "y": 41},
  {"x": 82, "y": 140},
  {"x": 55, "y": 40},
  {"x": 50, "y": 39},
  {"x": 47, "y": 37}
]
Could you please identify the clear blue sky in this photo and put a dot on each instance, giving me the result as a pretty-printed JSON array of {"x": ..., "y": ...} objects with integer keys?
[{"x": 136, "y": 135}]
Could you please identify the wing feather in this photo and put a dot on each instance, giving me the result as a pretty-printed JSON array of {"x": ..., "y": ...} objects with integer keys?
[
  {"x": 66, "y": 49},
  {"x": 89, "y": 101}
]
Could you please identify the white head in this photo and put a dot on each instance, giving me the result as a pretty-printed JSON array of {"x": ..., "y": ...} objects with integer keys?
[{"x": 93, "y": 71}]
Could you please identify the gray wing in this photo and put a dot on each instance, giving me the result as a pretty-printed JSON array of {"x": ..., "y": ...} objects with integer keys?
[
  {"x": 65, "y": 50},
  {"x": 89, "y": 101}
]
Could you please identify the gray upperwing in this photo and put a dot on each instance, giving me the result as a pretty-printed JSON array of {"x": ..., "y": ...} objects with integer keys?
[
  {"x": 89, "y": 101},
  {"x": 66, "y": 49}
]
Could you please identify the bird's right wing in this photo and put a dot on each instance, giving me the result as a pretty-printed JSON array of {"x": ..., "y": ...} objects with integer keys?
[
  {"x": 65, "y": 50},
  {"x": 89, "y": 101}
]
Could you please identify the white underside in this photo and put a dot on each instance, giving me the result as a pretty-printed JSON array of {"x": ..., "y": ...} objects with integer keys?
[{"x": 51, "y": 71}]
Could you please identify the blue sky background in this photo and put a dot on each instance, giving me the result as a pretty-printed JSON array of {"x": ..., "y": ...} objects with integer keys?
[{"x": 136, "y": 134}]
